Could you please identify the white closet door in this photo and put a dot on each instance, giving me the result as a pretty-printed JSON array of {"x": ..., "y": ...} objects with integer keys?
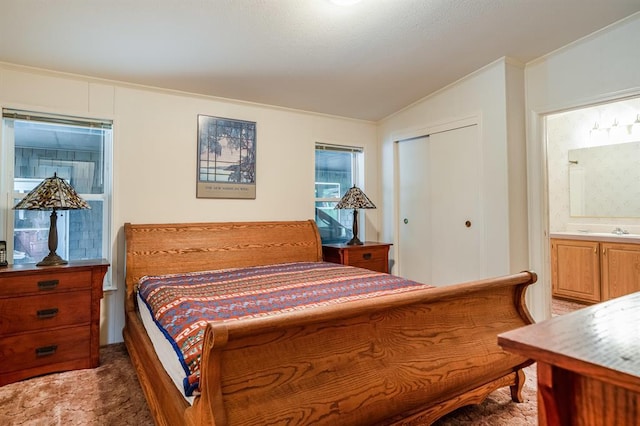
[
  {"x": 456, "y": 222},
  {"x": 441, "y": 240},
  {"x": 414, "y": 229}
]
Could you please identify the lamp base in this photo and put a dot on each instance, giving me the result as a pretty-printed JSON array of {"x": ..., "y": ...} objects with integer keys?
[
  {"x": 52, "y": 259},
  {"x": 355, "y": 241}
]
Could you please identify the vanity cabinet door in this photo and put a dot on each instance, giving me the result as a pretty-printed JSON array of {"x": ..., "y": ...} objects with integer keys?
[
  {"x": 575, "y": 270},
  {"x": 620, "y": 269}
]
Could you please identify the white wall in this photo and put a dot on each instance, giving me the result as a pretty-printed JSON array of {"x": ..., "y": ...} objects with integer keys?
[
  {"x": 493, "y": 98},
  {"x": 155, "y": 156},
  {"x": 602, "y": 67}
]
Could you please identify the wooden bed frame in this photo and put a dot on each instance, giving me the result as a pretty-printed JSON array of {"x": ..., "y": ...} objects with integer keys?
[{"x": 399, "y": 359}]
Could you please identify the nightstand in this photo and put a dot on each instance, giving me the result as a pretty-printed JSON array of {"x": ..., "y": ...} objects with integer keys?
[
  {"x": 370, "y": 255},
  {"x": 49, "y": 318}
]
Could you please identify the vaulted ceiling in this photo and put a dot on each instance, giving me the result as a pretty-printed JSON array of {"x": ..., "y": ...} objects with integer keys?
[{"x": 364, "y": 61}]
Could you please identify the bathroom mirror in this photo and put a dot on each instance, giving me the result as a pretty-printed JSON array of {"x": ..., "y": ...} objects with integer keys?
[{"x": 604, "y": 181}]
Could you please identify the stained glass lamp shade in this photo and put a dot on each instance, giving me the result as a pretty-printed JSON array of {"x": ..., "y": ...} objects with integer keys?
[
  {"x": 53, "y": 194},
  {"x": 355, "y": 199}
]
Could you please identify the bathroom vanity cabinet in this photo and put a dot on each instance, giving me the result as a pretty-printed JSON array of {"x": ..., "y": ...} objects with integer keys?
[
  {"x": 594, "y": 270},
  {"x": 620, "y": 265},
  {"x": 575, "y": 270}
]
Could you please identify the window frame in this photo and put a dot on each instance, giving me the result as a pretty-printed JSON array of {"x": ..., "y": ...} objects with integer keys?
[
  {"x": 7, "y": 177},
  {"x": 357, "y": 178}
]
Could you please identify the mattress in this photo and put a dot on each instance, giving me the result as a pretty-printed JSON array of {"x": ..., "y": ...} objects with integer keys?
[
  {"x": 178, "y": 307},
  {"x": 164, "y": 350}
]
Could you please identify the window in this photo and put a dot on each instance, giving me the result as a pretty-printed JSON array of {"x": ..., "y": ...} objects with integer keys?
[
  {"x": 338, "y": 168},
  {"x": 79, "y": 151}
]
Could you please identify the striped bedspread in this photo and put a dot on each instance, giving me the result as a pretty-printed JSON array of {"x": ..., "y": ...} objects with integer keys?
[{"x": 183, "y": 304}]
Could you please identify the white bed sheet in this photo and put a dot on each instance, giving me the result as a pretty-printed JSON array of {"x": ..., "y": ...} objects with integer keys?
[{"x": 165, "y": 352}]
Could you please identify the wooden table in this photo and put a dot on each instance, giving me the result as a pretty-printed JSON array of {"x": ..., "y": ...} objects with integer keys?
[{"x": 588, "y": 363}]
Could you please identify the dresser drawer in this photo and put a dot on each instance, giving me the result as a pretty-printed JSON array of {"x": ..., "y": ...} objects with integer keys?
[
  {"x": 374, "y": 264},
  {"x": 44, "y": 283},
  {"x": 30, "y": 350},
  {"x": 370, "y": 255},
  {"x": 31, "y": 313}
]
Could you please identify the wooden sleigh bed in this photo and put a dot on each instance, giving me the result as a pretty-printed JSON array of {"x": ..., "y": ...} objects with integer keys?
[{"x": 406, "y": 358}]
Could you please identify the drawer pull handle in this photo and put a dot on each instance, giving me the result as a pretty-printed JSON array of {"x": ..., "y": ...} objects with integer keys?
[
  {"x": 366, "y": 256},
  {"x": 47, "y": 313},
  {"x": 46, "y": 350},
  {"x": 47, "y": 285}
]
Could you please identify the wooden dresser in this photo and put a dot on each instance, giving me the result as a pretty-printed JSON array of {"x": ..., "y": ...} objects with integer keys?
[
  {"x": 49, "y": 318},
  {"x": 588, "y": 363},
  {"x": 369, "y": 255}
]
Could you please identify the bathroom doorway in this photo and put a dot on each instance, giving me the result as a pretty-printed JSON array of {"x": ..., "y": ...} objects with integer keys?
[{"x": 593, "y": 187}]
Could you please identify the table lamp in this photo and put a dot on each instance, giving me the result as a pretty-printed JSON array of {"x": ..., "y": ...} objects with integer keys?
[
  {"x": 54, "y": 194},
  {"x": 355, "y": 199}
]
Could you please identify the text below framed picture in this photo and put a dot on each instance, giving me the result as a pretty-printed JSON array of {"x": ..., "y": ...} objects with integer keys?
[{"x": 226, "y": 158}]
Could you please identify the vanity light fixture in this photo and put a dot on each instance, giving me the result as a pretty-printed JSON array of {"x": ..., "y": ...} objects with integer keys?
[
  {"x": 598, "y": 135},
  {"x": 614, "y": 130},
  {"x": 634, "y": 128}
]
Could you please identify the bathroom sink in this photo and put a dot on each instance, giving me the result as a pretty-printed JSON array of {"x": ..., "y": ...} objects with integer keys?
[{"x": 610, "y": 236}]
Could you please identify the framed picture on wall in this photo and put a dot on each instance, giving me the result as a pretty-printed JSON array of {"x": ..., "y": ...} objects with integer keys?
[{"x": 226, "y": 158}]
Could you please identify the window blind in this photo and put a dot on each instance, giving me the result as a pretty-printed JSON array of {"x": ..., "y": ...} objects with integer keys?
[
  {"x": 56, "y": 119},
  {"x": 342, "y": 148}
]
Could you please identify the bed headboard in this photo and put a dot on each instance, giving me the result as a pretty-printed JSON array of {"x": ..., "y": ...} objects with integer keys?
[{"x": 155, "y": 249}]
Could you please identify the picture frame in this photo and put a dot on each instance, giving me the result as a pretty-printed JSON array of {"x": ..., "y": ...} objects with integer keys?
[{"x": 226, "y": 158}]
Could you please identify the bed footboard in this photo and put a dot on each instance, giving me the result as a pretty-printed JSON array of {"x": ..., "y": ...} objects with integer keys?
[{"x": 399, "y": 359}]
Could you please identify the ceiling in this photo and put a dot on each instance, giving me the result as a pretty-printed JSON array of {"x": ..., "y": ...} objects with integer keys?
[{"x": 363, "y": 61}]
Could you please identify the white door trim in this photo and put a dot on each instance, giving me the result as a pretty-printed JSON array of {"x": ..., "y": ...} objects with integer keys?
[{"x": 538, "y": 297}]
